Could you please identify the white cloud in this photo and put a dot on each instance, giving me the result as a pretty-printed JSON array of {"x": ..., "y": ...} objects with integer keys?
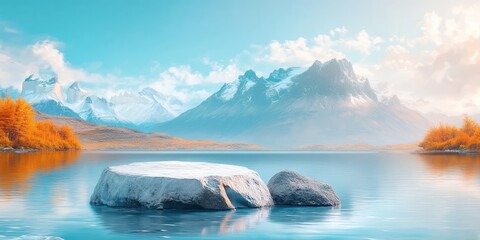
[
  {"x": 338, "y": 30},
  {"x": 181, "y": 74},
  {"x": 221, "y": 73},
  {"x": 435, "y": 71},
  {"x": 178, "y": 82},
  {"x": 50, "y": 57},
  {"x": 299, "y": 52},
  {"x": 431, "y": 27},
  {"x": 12, "y": 68},
  {"x": 190, "y": 87},
  {"x": 439, "y": 70},
  {"x": 323, "y": 47},
  {"x": 17, "y": 63},
  {"x": 364, "y": 42}
]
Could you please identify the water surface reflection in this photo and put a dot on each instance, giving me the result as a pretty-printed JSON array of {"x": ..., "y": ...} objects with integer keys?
[
  {"x": 16, "y": 169},
  {"x": 384, "y": 196},
  {"x": 175, "y": 222},
  {"x": 468, "y": 165}
]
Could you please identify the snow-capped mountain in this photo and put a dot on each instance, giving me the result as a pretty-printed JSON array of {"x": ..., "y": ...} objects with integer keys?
[
  {"x": 138, "y": 110},
  {"x": 46, "y": 96},
  {"x": 141, "y": 109},
  {"x": 97, "y": 110},
  {"x": 324, "y": 104},
  {"x": 35, "y": 90},
  {"x": 75, "y": 94},
  {"x": 90, "y": 107}
]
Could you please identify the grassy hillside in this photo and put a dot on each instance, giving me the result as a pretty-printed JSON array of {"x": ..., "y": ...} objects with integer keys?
[{"x": 97, "y": 137}]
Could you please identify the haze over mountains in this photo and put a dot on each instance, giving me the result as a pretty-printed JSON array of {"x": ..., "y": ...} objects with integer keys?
[
  {"x": 98, "y": 137},
  {"x": 326, "y": 103}
]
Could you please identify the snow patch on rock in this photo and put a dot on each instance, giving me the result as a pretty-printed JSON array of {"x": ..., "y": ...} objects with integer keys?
[
  {"x": 284, "y": 81},
  {"x": 229, "y": 91}
]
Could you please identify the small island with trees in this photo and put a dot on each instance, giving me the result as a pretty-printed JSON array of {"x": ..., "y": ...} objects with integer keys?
[
  {"x": 452, "y": 139},
  {"x": 20, "y": 131}
]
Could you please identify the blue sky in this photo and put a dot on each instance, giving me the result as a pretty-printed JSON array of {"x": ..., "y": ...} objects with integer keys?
[
  {"x": 124, "y": 45},
  {"x": 131, "y": 36}
]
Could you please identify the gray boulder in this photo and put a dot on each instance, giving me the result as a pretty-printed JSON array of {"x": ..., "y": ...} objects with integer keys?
[{"x": 291, "y": 188}]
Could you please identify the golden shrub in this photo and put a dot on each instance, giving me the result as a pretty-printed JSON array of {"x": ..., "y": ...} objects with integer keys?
[
  {"x": 445, "y": 137},
  {"x": 19, "y": 129}
]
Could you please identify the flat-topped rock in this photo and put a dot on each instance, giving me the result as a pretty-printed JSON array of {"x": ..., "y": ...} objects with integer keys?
[
  {"x": 292, "y": 188},
  {"x": 181, "y": 185}
]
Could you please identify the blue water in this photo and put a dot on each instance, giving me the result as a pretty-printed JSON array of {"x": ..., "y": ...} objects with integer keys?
[{"x": 384, "y": 196}]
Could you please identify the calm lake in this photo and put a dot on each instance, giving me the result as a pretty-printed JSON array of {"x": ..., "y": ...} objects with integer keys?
[{"x": 384, "y": 196}]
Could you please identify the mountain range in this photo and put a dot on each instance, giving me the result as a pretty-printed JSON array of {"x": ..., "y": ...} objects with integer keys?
[
  {"x": 326, "y": 103},
  {"x": 137, "y": 110}
]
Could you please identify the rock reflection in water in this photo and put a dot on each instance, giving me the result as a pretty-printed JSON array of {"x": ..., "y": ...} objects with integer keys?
[
  {"x": 16, "y": 169},
  {"x": 179, "y": 222}
]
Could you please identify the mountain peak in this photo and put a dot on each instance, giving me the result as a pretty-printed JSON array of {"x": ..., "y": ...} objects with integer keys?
[
  {"x": 317, "y": 63},
  {"x": 150, "y": 106},
  {"x": 335, "y": 78},
  {"x": 31, "y": 78},
  {"x": 280, "y": 74},
  {"x": 75, "y": 86},
  {"x": 152, "y": 93},
  {"x": 333, "y": 68},
  {"x": 93, "y": 98},
  {"x": 148, "y": 90},
  {"x": 53, "y": 80},
  {"x": 75, "y": 94},
  {"x": 342, "y": 65},
  {"x": 36, "y": 89},
  {"x": 34, "y": 78},
  {"x": 249, "y": 74}
]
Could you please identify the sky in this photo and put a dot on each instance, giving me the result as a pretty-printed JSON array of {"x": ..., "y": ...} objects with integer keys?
[{"x": 426, "y": 52}]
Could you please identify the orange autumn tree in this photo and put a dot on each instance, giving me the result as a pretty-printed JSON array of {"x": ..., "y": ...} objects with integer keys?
[
  {"x": 446, "y": 137},
  {"x": 18, "y": 129}
]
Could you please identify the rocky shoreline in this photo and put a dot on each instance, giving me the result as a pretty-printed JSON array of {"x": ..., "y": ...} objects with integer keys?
[
  {"x": 447, "y": 152},
  {"x": 14, "y": 150}
]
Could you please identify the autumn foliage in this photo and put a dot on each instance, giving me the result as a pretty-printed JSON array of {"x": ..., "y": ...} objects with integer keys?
[
  {"x": 446, "y": 137},
  {"x": 18, "y": 129}
]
